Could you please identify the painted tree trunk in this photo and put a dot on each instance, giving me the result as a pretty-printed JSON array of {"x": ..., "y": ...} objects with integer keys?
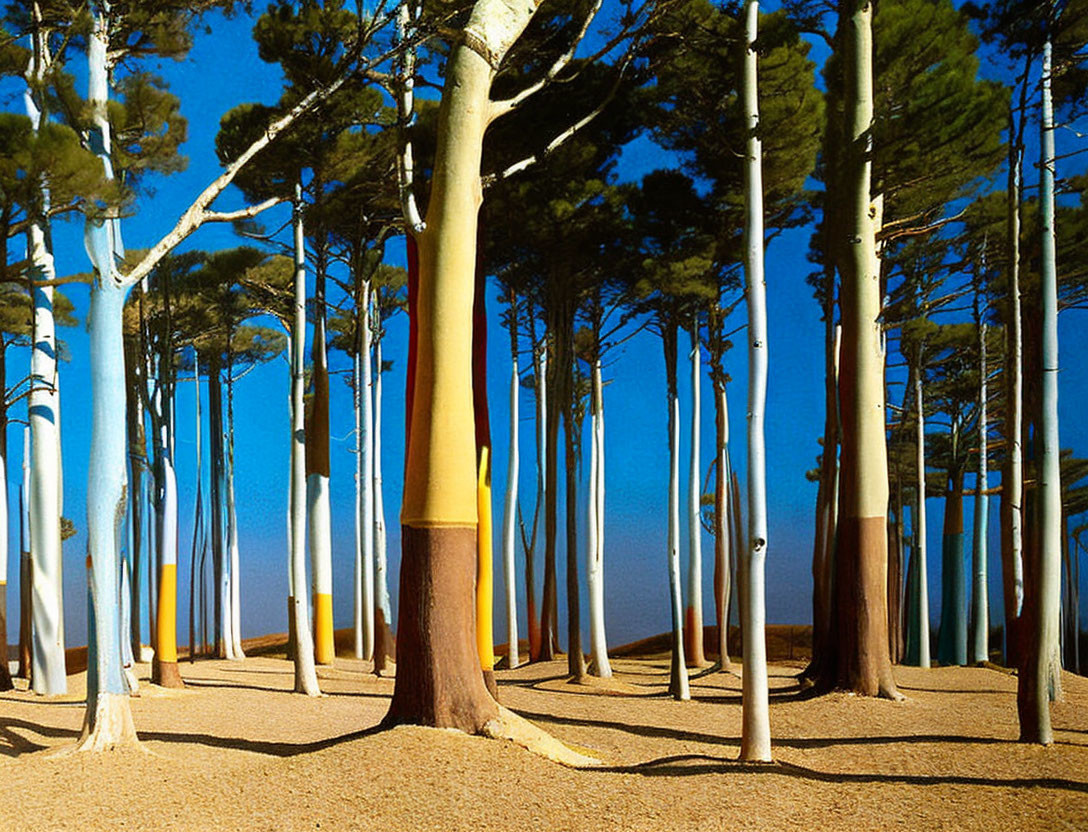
[
  {"x": 722, "y": 510},
  {"x": 952, "y": 638},
  {"x": 510, "y": 503},
  {"x": 26, "y": 572},
  {"x": 540, "y": 393},
  {"x": 384, "y": 645},
  {"x": 693, "y": 614},
  {"x": 303, "y": 655},
  {"x": 678, "y": 673},
  {"x": 198, "y": 516},
  {"x": 232, "y": 532},
  {"x": 366, "y": 445},
  {"x": 108, "y": 718},
  {"x": 755, "y": 743},
  {"x": 1039, "y": 670},
  {"x": 598, "y": 641},
  {"x": 576, "y": 663},
  {"x": 224, "y": 643},
  {"x": 1012, "y": 473},
  {"x": 862, "y": 664},
  {"x": 317, "y": 488},
  {"x": 43, "y": 408},
  {"x": 136, "y": 452},
  {"x": 164, "y": 668},
  {"x": 980, "y": 601},
  {"x": 549, "y": 596},
  {"x": 438, "y": 673},
  {"x": 895, "y": 576},
  {"x": 917, "y": 652}
]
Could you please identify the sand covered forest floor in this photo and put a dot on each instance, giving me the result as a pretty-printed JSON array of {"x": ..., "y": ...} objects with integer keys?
[{"x": 236, "y": 750}]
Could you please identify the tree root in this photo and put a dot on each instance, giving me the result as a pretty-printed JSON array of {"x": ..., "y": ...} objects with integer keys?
[
  {"x": 509, "y": 726},
  {"x": 109, "y": 728}
]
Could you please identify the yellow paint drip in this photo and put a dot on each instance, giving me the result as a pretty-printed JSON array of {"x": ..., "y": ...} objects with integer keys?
[
  {"x": 324, "y": 648},
  {"x": 166, "y": 623},
  {"x": 484, "y": 579}
]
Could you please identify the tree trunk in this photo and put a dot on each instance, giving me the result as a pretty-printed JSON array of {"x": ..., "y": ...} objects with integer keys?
[
  {"x": 1039, "y": 679},
  {"x": 198, "y": 516},
  {"x": 755, "y": 742},
  {"x": 980, "y": 601},
  {"x": 303, "y": 655},
  {"x": 224, "y": 644},
  {"x": 43, "y": 408},
  {"x": 952, "y": 638},
  {"x": 232, "y": 527},
  {"x": 693, "y": 614},
  {"x": 917, "y": 652},
  {"x": 598, "y": 641},
  {"x": 164, "y": 667},
  {"x": 678, "y": 672},
  {"x": 384, "y": 645},
  {"x": 549, "y": 602},
  {"x": 540, "y": 391},
  {"x": 510, "y": 504},
  {"x": 722, "y": 507},
  {"x": 1012, "y": 474},
  {"x": 5, "y": 673},
  {"x": 862, "y": 664},
  {"x": 895, "y": 576},
  {"x": 367, "y": 444},
  {"x": 576, "y": 665},
  {"x": 485, "y": 580},
  {"x": 438, "y": 673},
  {"x": 317, "y": 485}
]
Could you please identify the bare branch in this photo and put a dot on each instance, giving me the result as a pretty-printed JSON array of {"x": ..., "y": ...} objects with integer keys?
[{"x": 243, "y": 213}]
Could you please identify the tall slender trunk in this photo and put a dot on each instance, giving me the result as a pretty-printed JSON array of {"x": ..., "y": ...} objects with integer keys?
[
  {"x": 1040, "y": 671},
  {"x": 980, "y": 601},
  {"x": 509, "y": 517},
  {"x": 198, "y": 514},
  {"x": 863, "y": 664},
  {"x": 317, "y": 480},
  {"x": 232, "y": 523},
  {"x": 952, "y": 638},
  {"x": 43, "y": 408},
  {"x": 485, "y": 577},
  {"x": 918, "y": 629},
  {"x": 755, "y": 743},
  {"x": 540, "y": 391},
  {"x": 5, "y": 673},
  {"x": 678, "y": 672},
  {"x": 136, "y": 455},
  {"x": 895, "y": 575},
  {"x": 438, "y": 673},
  {"x": 722, "y": 533},
  {"x": 108, "y": 718},
  {"x": 598, "y": 641},
  {"x": 1012, "y": 473},
  {"x": 576, "y": 664},
  {"x": 549, "y": 602},
  {"x": 220, "y": 565},
  {"x": 303, "y": 655},
  {"x": 693, "y": 617},
  {"x": 384, "y": 645},
  {"x": 366, "y": 474},
  {"x": 164, "y": 668},
  {"x": 26, "y": 572}
]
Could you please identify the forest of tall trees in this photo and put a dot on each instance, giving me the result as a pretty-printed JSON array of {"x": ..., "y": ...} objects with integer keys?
[{"x": 556, "y": 184}]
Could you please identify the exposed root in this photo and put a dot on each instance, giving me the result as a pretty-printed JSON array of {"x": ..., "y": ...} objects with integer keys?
[
  {"x": 108, "y": 728},
  {"x": 509, "y": 726}
]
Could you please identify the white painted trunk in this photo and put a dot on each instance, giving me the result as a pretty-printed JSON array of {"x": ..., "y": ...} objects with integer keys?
[
  {"x": 357, "y": 581},
  {"x": 235, "y": 596},
  {"x": 1050, "y": 486},
  {"x": 755, "y": 726},
  {"x": 366, "y": 443},
  {"x": 381, "y": 579},
  {"x": 695, "y": 493},
  {"x": 980, "y": 620},
  {"x": 47, "y": 652},
  {"x": 598, "y": 641},
  {"x": 509, "y": 521},
  {"x": 722, "y": 526},
  {"x": 920, "y": 533},
  {"x": 681, "y": 690},
  {"x": 305, "y": 672},
  {"x": 318, "y": 500}
]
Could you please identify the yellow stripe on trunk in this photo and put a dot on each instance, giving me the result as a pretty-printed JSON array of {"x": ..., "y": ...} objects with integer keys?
[
  {"x": 166, "y": 624},
  {"x": 484, "y": 638},
  {"x": 324, "y": 649}
]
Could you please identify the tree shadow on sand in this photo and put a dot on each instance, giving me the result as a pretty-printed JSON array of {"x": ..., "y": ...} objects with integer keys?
[
  {"x": 14, "y": 744},
  {"x": 688, "y": 765},
  {"x": 271, "y": 748}
]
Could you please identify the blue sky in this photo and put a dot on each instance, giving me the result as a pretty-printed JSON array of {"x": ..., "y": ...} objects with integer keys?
[{"x": 223, "y": 71}]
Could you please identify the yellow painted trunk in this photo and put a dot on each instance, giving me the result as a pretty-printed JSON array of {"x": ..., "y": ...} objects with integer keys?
[
  {"x": 484, "y": 579},
  {"x": 166, "y": 624},
  {"x": 324, "y": 648}
]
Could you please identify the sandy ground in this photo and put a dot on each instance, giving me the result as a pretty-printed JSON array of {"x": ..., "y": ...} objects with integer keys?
[{"x": 236, "y": 750}]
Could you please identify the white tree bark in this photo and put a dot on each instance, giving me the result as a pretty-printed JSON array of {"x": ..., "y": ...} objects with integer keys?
[
  {"x": 305, "y": 672},
  {"x": 695, "y": 493},
  {"x": 598, "y": 641},
  {"x": 980, "y": 600},
  {"x": 366, "y": 444},
  {"x": 678, "y": 680},
  {"x": 320, "y": 516},
  {"x": 232, "y": 538},
  {"x": 47, "y": 654},
  {"x": 381, "y": 578},
  {"x": 755, "y": 728},
  {"x": 509, "y": 519}
]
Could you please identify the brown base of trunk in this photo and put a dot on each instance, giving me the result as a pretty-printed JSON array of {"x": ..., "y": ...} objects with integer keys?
[
  {"x": 439, "y": 682},
  {"x": 25, "y": 613},
  {"x": 860, "y": 630},
  {"x": 291, "y": 636},
  {"x": 694, "y": 653},
  {"x": 385, "y": 647},
  {"x": 166, "y": 674},
  {"x": 534, "y": 633}
]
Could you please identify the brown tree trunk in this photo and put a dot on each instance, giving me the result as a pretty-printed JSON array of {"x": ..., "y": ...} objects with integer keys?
[
  {"x": 576, "y": 665},
  {"x": 549, "y": 602}
]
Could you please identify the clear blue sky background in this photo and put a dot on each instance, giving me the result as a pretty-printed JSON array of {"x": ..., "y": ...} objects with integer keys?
[{"x": 222, "y": 71}]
